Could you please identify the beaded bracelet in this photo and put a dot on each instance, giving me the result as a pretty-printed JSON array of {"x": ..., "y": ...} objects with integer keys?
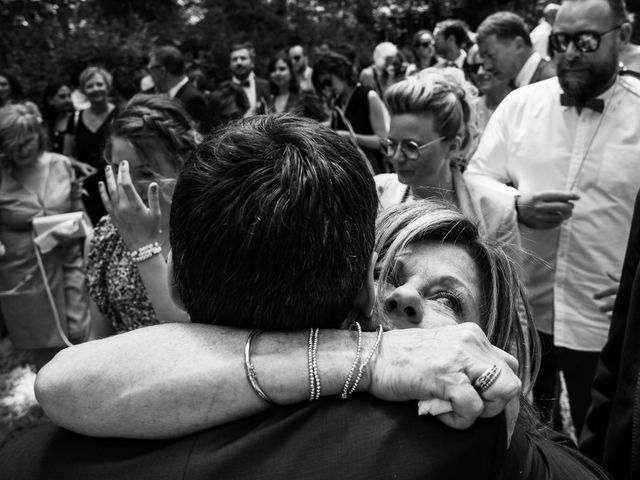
[
  {"x": 250, "y": 369},
  {"x": 345, "y": 389},
  {"x": 364, "y": 364},
  {"x": 312, "y": 357},
  {"x": 145, "y": 252}
]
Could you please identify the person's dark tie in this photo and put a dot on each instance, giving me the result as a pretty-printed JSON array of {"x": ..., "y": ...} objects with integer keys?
[{"x": 595, "y": 104}]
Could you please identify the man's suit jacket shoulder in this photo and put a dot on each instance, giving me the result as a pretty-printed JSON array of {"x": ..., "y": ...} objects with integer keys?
[
  {"x": 195, "y": 104},
  {"x": 545, "y": 70},
  {"x": 361, "y": 439},
  {"x": 263, "y": 89}
]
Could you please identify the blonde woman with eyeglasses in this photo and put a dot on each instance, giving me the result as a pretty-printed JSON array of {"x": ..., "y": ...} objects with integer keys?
[{"x": 431, "y": 118}]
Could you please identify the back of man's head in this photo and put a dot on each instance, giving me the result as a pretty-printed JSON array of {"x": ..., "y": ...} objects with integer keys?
[
  {"x": 272, "y": 226},
  {"x": 505, "y": 26},
  {"x": 457, "y": 29},
  {"x": 170, "y": 58}
]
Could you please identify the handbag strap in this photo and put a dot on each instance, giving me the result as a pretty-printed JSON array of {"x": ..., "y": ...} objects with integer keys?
[{"x": 352, "y": 137}]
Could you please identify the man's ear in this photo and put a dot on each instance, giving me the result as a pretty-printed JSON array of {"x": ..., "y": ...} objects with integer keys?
[
  {"x": 519, "y": 44},
  {"x": 455, "y": 145},
  {"x": 173, "y": 292},
  {"x": 366, "y": 297},
  {"x": 624, "y": 36}
]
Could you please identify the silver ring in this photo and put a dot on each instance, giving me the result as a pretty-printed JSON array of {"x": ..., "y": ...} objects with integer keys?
[{"x": 488, "y": 378}]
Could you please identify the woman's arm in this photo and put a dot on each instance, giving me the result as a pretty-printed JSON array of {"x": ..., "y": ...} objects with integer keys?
[
  {"x": 174, "y": 379},
  {"x": 139, "y": 225},
  {"x": 379, "y": 120}
]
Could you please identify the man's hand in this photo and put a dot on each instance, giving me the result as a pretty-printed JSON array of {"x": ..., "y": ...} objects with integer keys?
[
  {"x": 443, "y": 363},
  {"x": 608, "y": 295},
  {"x": 545, "y": 209}
]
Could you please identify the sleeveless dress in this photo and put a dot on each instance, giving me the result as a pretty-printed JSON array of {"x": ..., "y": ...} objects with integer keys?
[
  {"x": 25, "y": 305},
  {"x": 90, "y": 149}
]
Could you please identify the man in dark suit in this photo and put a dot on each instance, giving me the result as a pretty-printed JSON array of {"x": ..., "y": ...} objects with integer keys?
[
  {"x": 167, "y": 68},
  {"x": 291, "y": 232},
  {"x": 242, "y": 62},
  {"x": 611, "y": 434},
  {"x": 506, "y": 48}
]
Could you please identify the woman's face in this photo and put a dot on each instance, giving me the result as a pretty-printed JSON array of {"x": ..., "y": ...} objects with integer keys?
[
  {"x": 433, "y": 284},
  {"x": 432, "y": 164},
  {"x": 425, "y": 46},
  {"x": 26, "y": 150},
  {"x": 61, "y": 100},
  {"x": 281, "y": 75},
  {"x": 142, "y": 174},
  {"x": 96, "y": 89},
  {"x": 5, "y": 89}
]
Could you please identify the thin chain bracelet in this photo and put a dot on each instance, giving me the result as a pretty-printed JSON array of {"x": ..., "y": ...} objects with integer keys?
[
  {"x": 345, "y": 389},
  {"x": 366, "y": 362},
  {"x": 314, "y": 363}
]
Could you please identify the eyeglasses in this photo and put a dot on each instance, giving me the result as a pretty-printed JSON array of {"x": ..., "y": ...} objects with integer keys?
[
  {"x": 424, "y": 44},
  {"x": 409, "y": 148},
  {"x": 296, "y": 58},
  {"x": 325, "y": 82},
  {"x": 585, "y": 42}
]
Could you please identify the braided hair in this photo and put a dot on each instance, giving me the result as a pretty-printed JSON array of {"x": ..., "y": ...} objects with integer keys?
[{"x": 159, "y": 129}]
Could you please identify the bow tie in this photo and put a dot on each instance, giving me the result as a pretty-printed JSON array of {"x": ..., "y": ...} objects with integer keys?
[
  {"x": 243, "y": 83},
  {"x": 595, "y": 104}
]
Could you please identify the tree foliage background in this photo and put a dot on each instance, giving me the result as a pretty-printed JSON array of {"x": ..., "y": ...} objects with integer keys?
[{"x": 43, "y": 40}]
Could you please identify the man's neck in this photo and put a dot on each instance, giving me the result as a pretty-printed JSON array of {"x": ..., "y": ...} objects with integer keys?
[
  {"x": 601, "y": 90},
  {"x": 453, "y": 54}
]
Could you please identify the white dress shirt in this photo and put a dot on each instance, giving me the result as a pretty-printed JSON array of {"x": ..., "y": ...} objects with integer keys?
[
  {"x": 528, "y": 69},
  {"x": 540, "y": 38},
  {"x": 537, "y": 144},
  {"x": 250, "y": 91}
]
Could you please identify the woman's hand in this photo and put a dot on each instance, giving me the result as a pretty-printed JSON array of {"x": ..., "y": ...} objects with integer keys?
[
  {"x": 137, "y": 224},
  {"x": 84, "y": 169}
]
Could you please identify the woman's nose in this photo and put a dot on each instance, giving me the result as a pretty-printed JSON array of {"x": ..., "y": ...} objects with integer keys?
[{"x": 404, "y": 304}]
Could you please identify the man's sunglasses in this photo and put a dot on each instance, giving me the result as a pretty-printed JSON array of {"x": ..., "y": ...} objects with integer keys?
[
  {"x": 474, "y": 67},
  {"x": 409, "y": 148},
  {"x": 296, "y": 58},
  {"x": 585, "y": 42}
]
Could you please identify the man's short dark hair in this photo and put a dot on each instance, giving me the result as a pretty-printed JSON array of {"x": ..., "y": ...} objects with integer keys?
[
  {"x": 242, "y": 46},
  {"x": 505, "y": 26},
  {"x": 272, "y": 225},
  {"x": 457, "y": 28},
  {"x": 170, "y": 58}
]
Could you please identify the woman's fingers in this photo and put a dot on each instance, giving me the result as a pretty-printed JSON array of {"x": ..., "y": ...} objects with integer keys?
[
  {"x": 104, "y": 196},
  {"x": 112, "y": 187},
  {"x": 154, "y": 200},
  {"x": 126, "y": 188}
]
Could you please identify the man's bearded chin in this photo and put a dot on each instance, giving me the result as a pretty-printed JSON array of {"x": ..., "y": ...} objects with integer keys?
[{"x": 587, "y": 84}]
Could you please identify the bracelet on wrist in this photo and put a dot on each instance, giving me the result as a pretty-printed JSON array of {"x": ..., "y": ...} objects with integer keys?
[{"x": 145, "y": 252}]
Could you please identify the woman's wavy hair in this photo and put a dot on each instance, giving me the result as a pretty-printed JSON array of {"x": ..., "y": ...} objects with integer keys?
[
  {"x": 502, "y": 291},
  {"x": 17, "y": 93},
  {"x": 294, "y": 85},
  {"x": 431, "y": 92},
  {"x": 336, "y": 64},
  {"x": 157, "y": 127},
  {"x": 16, "y": 121}
]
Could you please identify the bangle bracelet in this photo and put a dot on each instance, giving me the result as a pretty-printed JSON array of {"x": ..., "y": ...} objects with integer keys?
[
  {"x": 145, "y": 252},
  {"x": 251, "y": 371},
  {"x": 364, "y": 364}
]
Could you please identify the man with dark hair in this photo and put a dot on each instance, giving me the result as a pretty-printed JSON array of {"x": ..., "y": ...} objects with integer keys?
[
  {"x": 300, "y": 63},
  {"x": 242, "y": 58},
  {"x": 167, "y": 69},
  {"x": 451, "y": 37},
  {"x": 253, "y": 215},
  {"x": 506, "y": 48},
  {"x": 570, "y": 146}
]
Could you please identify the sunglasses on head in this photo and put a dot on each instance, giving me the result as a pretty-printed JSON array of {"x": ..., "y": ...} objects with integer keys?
[
  {"x": 409, "y": 148},
  {"x": 585, "y": 42}
]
